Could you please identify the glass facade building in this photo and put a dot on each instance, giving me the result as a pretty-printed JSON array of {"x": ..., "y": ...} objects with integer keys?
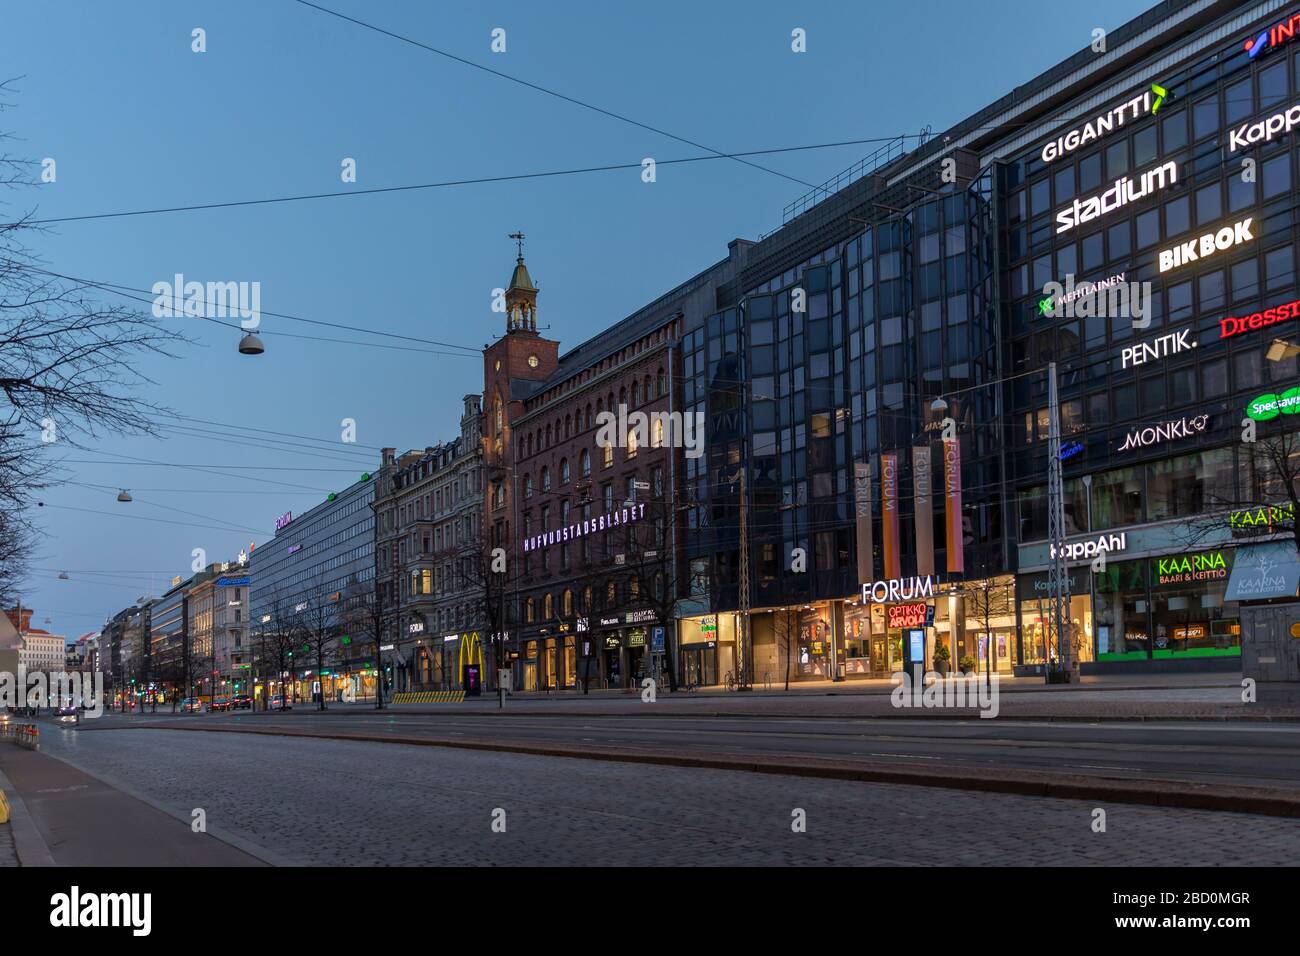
[
  {"x": 907, "y": 324},
  {"x": 305, "y": 576}
]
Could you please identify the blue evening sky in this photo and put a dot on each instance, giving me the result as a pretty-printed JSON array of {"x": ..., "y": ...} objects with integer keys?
[{"x": 111, "y": 90}]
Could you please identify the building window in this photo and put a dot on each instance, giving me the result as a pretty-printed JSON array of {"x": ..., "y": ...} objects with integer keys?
[
  {"x": 564, "y": 471},
  {"x": 528, "y": 486},
  {"x": 546, "y": 479},
  {"x": 568, "y": 602},
  {"x": 631, "y": 443},
  {"x": 548, "y": 606},
  {"x": 584, "y": 463},
  {"x": 529, "y": 611}
]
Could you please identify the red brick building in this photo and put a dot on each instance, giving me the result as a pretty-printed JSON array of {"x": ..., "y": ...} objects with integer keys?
[{"x": 588, "y": 527}]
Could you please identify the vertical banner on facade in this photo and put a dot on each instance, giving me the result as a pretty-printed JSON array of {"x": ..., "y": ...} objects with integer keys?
[
  {"x": 923, "y": 496},
  {"x": 889, "y": 515},
  {"x": 952, "y": 511},
  {"x": 866, "y": 542}
]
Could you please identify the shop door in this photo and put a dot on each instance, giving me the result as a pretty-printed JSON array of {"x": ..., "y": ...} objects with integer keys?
[
  {"x": 530, "y": 675},
  {"x": 879, "y": 656}
]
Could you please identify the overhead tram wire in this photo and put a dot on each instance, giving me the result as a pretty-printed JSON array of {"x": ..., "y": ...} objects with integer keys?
[
  {"x": 206, "y": 470},
  {"x": 130, "y": 292},
  {"x": 191, "y": 514},
  {"x": 549, "y": 92},
  {"x": 268, "y": 431},
  {"x": 482, "y": 180},
  {"x": 181, "y": 432}
]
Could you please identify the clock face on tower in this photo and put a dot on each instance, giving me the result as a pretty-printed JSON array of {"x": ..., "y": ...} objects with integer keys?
[
  {"x": 498, "y": 365},
  {"x": 532, "y": 361}
]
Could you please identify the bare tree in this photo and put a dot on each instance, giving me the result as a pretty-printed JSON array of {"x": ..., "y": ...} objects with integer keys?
[
  {"x": 651, "y": 561},
  {"x": 316, "y": 626},
  {"x": 990, "y": 598},
  {"x": 69, "y": 365},
  {"x": 785, "y": 625}
]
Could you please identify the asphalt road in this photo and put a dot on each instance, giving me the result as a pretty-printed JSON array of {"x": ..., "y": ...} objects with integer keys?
[
  {"x": 1234, "y": 753},
  {"x": 338, "y": 802}
]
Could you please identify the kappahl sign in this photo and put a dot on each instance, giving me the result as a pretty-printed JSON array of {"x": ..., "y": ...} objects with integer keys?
[
  {"x": 1091, "y": 548},
  {"x": 899, "y": 589}
]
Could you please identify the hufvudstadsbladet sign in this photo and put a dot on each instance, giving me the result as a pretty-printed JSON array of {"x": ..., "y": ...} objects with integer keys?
[
  {"x": 1270, "y": 406},
  {"x": 615, "y": 518},
  {"x": 1092, "y": 547},
  {"x": 899, "y": 589},
  {"x": 1124, "y": 191},
  {"x": 1104, "y": 123},
  {"x": 1184, "y": 427}
]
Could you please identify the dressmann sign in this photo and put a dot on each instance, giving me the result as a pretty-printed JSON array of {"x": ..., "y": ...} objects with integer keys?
[{"x": 611, "y": 519}]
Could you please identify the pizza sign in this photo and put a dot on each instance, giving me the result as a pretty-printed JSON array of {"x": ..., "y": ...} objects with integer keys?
[{"x": 907, "y": 615}]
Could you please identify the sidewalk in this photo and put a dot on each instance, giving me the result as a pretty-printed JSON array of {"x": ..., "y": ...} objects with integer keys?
[{"x": 65, "y": 817}]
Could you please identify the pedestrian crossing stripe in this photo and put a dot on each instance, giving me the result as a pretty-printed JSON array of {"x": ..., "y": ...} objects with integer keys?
[{"x": 429, "y": 697}]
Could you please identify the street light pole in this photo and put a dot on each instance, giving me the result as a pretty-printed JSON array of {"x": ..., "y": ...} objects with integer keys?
[{"x": 1058, "y": 581}]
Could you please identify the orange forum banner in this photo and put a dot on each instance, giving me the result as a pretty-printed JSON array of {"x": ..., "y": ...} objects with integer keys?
[
  {"x": 952, "y": 510},
  {"x": 889, "y": 515}
]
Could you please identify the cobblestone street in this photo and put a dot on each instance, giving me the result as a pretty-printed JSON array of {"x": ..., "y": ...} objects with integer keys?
[{"x": 332, "y": 802}]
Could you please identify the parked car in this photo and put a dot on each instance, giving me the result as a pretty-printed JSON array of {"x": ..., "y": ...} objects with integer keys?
[
  {"x": 191, "y": 705},
  {"x": 221, "y": 703},
  {"x": 241, "y": 702},
  {"x": 279, "y": 702}
]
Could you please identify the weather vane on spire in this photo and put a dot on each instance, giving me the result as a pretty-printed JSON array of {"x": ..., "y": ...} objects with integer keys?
[{"x": 518, "y": 237}]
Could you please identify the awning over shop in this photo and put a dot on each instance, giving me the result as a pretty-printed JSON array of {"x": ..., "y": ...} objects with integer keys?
[{"x": 1264, "y": 571}]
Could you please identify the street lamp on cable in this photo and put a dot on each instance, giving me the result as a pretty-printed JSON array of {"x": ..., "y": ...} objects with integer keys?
[
  {"x": 250, "y": 344},
  {"x": 124, "y": 495},
  {"x": 1281, "y": 349}
]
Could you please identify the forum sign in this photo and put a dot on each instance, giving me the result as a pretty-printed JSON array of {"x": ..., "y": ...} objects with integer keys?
[{"x": 900, "y": 589}]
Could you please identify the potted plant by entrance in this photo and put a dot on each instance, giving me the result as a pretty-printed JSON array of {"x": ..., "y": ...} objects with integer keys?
[
  {"x": 942, "y": 658},
  {"x": 967, "y": 663}
]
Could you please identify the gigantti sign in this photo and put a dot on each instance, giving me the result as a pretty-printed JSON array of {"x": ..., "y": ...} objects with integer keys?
[{"x": 1104, "y": 123}]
